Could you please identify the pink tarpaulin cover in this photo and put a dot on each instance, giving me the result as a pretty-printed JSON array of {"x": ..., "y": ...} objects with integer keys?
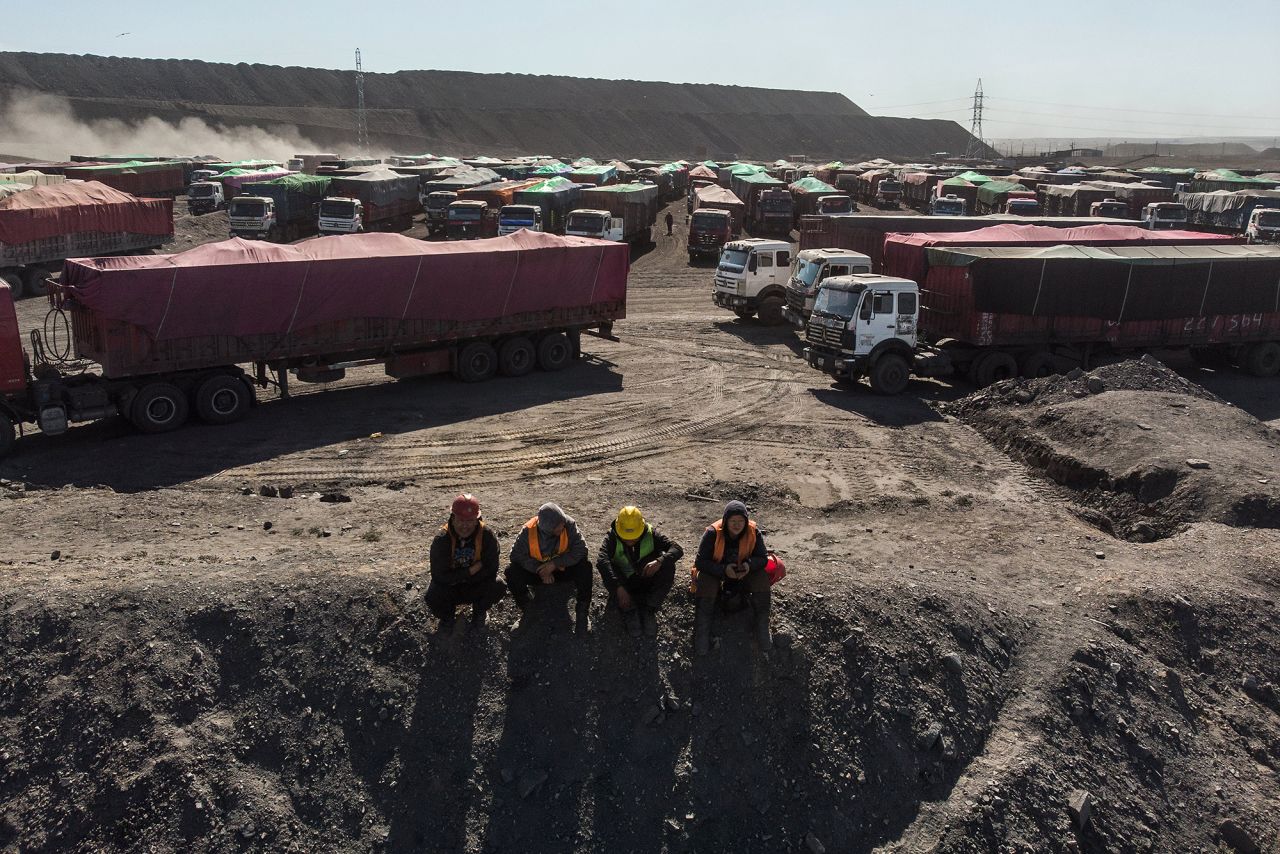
[
  {"x": 75, "y": 208},
  {"x": 241, "y": 287},
  {"x": 904, "y": 254}
]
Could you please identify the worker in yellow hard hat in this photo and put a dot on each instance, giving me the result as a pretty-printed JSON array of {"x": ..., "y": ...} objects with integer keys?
[{"x": 637, "y": 563}]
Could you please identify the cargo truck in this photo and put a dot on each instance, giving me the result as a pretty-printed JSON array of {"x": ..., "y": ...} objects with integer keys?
[
  {"x": 1160, "y": 215},
  {"x": 948, "y": 205},
  {"x": 373, "y": 201},
  {"x": 997, "y": 313},
  {"x": 751, "y": 279},
  {"x": 809, "y": 270},
  {"x": 718, "y": 198},
  {"x": 512, "y": 218},
  {"x": 992, "y": 195},
  {"x": 817, "y": 198},
  {"x": 1109, "y": 208},
  {"x": 709, "y": 230},
  {"x": 878, "y": 187},
  {"x": 768, "y": 206},
  {"x": 619, "y": 212},
  {"x": 280, "y": 210},
  {"x": 308, "y": 163},
  {"x": 205, "y": 197},
  {"x": 470, "y": 219},
  {"x": 554, "y": 197},
  {"x": 1230, "y": 212},
  {"x": 195, "y": 333},
  {"x": 436, "y": 204},
  {"x": 43, "y": 226},
  {"x": 141, "y": 178}
]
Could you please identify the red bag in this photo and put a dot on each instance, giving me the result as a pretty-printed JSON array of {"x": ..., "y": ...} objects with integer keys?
[{"x": 776, "y": 569}]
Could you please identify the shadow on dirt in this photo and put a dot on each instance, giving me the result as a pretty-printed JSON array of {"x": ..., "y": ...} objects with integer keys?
[
  {"x": 752, "y": 331},
  {"x": 911, "y": 407},
  {"x": 113, "y": 454}
]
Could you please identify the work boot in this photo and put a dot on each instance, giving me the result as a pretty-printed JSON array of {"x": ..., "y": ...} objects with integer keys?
[
  {"x": 648, "y": 621},
  {"x": 761, "y": 603},
  {"x": 582, "y": 622},
  {"x": 631, "y": 620},
  {"x": 478, "y": 617},
  {"x": 703, "y": 608},
  {"x": 446, "y": 626}
]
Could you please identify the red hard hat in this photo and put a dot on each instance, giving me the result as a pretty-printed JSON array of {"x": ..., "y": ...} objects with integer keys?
[{"x": 466, "y": 508}]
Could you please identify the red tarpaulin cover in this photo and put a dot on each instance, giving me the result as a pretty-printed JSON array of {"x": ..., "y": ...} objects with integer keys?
[
  {"x": 241, "y": 287},
  {"x": 56, "y": 209},
  {"x": 904, "y": 254}
]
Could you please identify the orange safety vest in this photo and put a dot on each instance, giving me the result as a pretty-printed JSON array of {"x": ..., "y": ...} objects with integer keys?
[
  {"x": 746, "y": 542},
  {"x": 535, "y": 548},
  {"x": 453, "y": 539}
]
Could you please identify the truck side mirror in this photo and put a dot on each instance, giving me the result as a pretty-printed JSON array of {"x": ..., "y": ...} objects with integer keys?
[
  {"x": 751, "y": 264},
  {"x": 865, "y": 313}
]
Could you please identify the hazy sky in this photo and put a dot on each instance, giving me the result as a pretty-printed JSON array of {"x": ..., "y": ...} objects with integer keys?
[{"x": 1121, "y": 69}]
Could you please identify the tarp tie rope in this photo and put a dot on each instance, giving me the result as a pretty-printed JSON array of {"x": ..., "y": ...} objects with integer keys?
[
  {"x": 296, "y": 306},
  {"x": 511, "y": 287},
  {"x": 172, "y": 285},
  {"x": 596, "y": 278},
  {"x": 1124, "y": 302},
  {"x": 1205, "y": 297},
  {"x": 1043, "y": 265},
  {"x": 409, "y": 299}
]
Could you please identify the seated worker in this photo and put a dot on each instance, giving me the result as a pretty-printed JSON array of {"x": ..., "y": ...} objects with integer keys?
[
  {"x": 550, "y": 550},
  {"x": 731, "y": 555},
  {"x": 637, "y": 564}
]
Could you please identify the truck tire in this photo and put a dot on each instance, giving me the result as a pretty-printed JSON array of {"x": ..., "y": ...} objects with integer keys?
[
  {"x": 517, "y": 357},
  {"x": 770, "y": 311},
  {"x": 223, "y": 399},
  {"x": 1263, "y": 359},
  {"x": 745, "y": 313},
  {"x": 554, "y": 352},
  {"x": 16, "y": 288},
  {"x": 8, "y": 435},
  {"x": 890, "y": 374},
  {"x": 159, "y": 408},
  {"x": 1038, "y": 363},
  {"x": 992, "y": 367},
  {"x": 477, "y": 362},
  {"x": 33, "y": 281}
]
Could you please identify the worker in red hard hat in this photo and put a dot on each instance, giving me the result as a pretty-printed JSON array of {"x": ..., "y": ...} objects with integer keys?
[{"x": 464, "y": 566}]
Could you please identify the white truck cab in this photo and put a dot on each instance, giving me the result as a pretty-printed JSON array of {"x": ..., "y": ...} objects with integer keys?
[
  {"x": 948, "y": 205},
  {"x": 866, "y": 325},
  {"x": 752, "y": 277},
  {"x": 1161, "y": 215},
  {"x": 252, "y": 216},
  {"x": 809, "y": 270},
  {"x": 594, "y": 223},
  {"x": 341, "y": 215},
  {"x": 1264, "y": 226},
  {"x": 512, "y": 218},
  {"x": 204, "y": 197}
]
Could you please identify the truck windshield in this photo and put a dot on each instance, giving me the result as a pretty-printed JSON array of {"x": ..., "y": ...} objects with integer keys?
[
  {"x": 337, "y": 209},
  {"x": 840, "y": 303},
  {"x": 709, "y": 221},
  {"x": 465, "y": 213},
  {"x": 807, "y": 272},
  {"x": 949, "y": 207},
  {"x": 436, "y": 203},
  {"x": 200, "y": 190},
  {"x": 1023, "y": 206},
  {"x": 1172, "y": 212},
  {"x": 586, "y": 222},
  {"x": 776, "y": 204},
  {"x": 733, "y": 260},
  {"x": 843, "y": 204},
  {"x": 253, "y": 209},
  {"x": 888, "y": 186},
  {"x": 1269, "y": 220},
  {"x": 1113, "y": 210}
]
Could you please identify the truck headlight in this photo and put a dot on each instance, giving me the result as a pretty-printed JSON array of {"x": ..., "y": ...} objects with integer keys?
[{"x": 741, "y": 289}]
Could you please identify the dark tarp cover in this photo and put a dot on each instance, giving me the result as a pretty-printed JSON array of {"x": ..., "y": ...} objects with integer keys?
[
  {"x": 379, "y": 188},
  {"x": 904, "y": 254},
  {"x": 646, "y": 193},
  {"x": 1221, "y": 201},
  {"x": 993, "y": 190},
  {"x": 462, "y": 180},
  {"x": 241, "y": 288},
  {"x": 76, "y": 208},
  {"x": 1120, "y": 283}
]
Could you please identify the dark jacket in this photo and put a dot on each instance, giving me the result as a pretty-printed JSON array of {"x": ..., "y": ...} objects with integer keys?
[
  {"x": 704, "y": 562},
  {"x": 665, "y": 551},
  {"x": 449, "y": 564},
  {"x": 576, "y": 554}
]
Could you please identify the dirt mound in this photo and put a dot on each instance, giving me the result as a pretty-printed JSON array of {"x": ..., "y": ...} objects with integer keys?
[
  {"x": 465, "y": 113},
  {"x": 1145, "y": 449},
  {"x": 191, "y": 230}
]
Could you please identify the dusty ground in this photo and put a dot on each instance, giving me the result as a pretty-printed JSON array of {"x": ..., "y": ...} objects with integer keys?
[{"x": 966, "y": 663}]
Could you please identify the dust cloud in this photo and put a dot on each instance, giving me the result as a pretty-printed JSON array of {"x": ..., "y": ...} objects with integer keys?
[{"x": 45, "y": 127}]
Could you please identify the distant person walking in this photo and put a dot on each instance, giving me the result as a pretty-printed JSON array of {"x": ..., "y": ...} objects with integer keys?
[{"x": 670, "y": 220}]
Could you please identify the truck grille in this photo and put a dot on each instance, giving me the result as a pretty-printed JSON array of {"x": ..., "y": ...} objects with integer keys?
[
  {"x": 816, "y": 333},
  {"x": 795, "y": 300}
]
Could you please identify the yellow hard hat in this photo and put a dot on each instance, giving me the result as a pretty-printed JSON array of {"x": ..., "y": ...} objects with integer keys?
[{"x": 630, "y": 523}]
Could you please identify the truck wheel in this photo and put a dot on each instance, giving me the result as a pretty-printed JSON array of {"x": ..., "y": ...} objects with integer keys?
[
  {"x": 159, "y": 408},
  {"x": 33, "y": 281},
  {"x": 744, "y": 313},
  {"x": 16, "y": 289},
  {"x": 8, "y": 435},
  {"x": 1263, "y": 360},
  {"x": 992, "y": 367},
  {"x": 477, "y": 362},
  {"x": 890, "y": 374},
  {"x": 223, "y": 399},
  {"x": 770, "y": 311},
  {"x": 517, "y": 357},
  {"x": 1039, "y": 363},
  {"x": 554, "y": 352}
]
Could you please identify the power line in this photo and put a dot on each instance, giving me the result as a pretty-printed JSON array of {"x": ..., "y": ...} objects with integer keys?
[
  {"x": 1128, "y": 110},
  {"x": 923, "y": 103}
]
